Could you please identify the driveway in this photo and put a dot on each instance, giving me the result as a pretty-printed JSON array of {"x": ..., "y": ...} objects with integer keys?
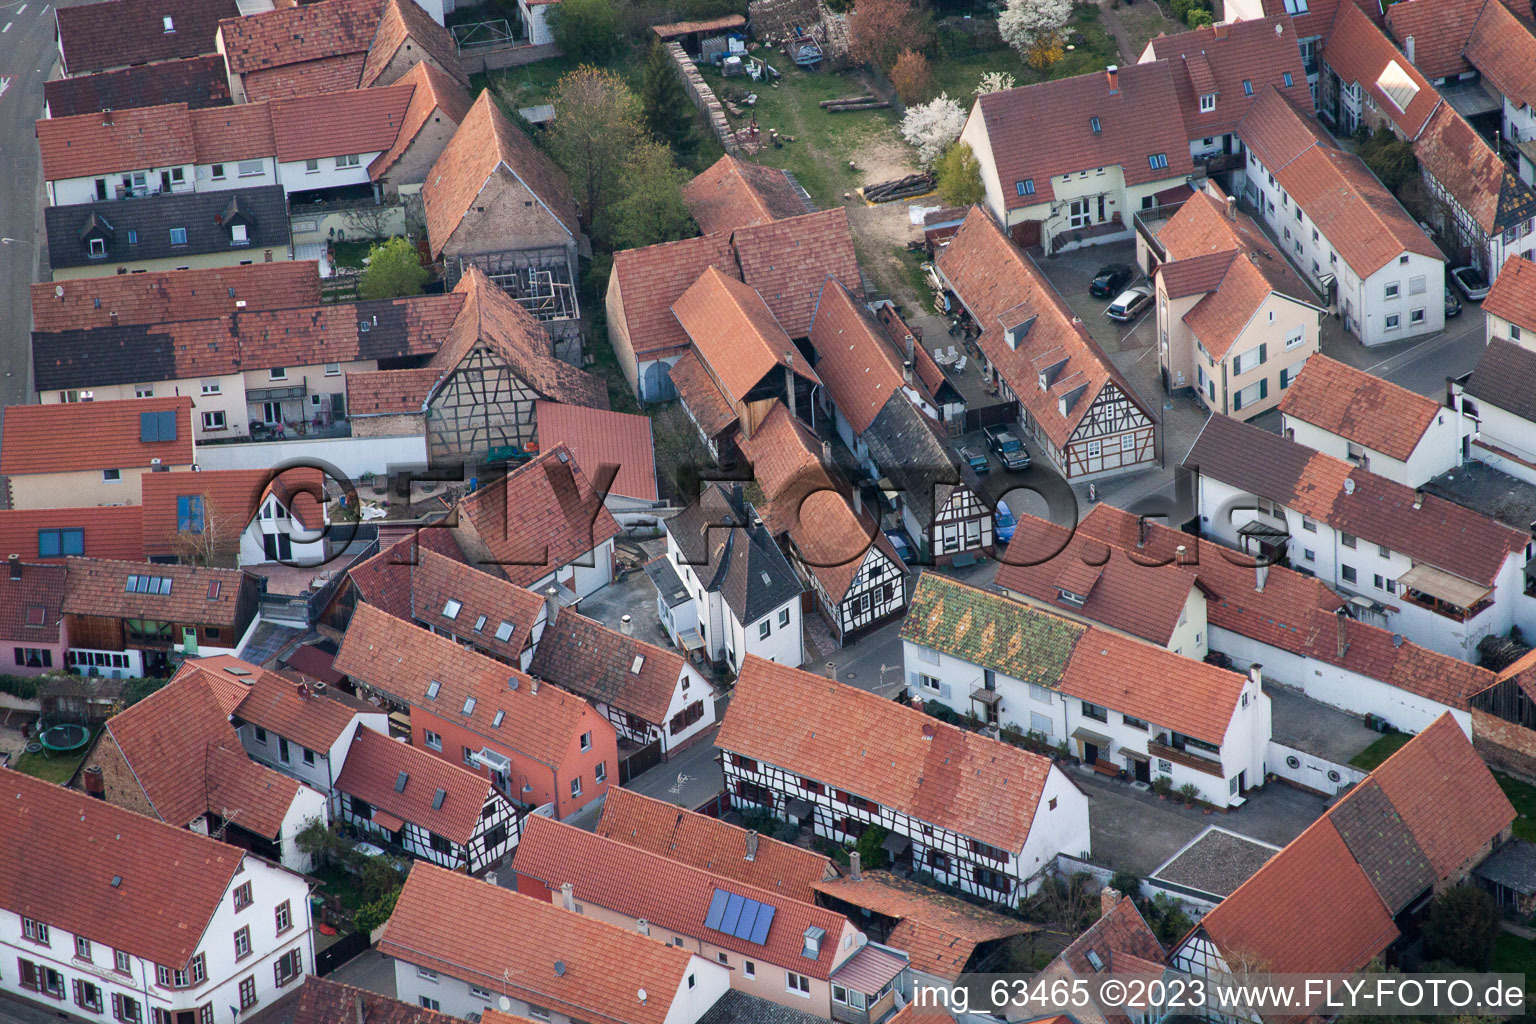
[{"x": 689, "y": 779}]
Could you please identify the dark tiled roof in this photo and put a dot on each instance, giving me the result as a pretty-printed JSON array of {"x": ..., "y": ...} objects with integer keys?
[
  {"x": 991, "y": 631},
  {"x": 1383, "y": 845},
  {"x": 199, "y": 595},
  {"x": 732, "y": 555},
  {"x": 121, "y": 32},
  {"x": 151, "y": 218},
  {"x": 738, "y": 1007},
  {"x": 903, "y": 444},
  {"x": 196, "y": 81},
  {"x": 1505, "y": 376},
  {"x": 31, "y": 607},
  {"x": 607, "y": 667}
]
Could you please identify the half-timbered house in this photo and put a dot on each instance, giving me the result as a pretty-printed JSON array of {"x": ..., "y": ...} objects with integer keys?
[
  {"x": 836, "y": 547},
  {"x": 425, "y": 806},
  {"x": 1072, "y": 401},
  {"x": 979, "y": 814}
]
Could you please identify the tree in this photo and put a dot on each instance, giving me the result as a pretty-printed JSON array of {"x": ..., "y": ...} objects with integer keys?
[
  {"x": 932, "y": 126},
  {"x": 650, "y": 206},
  {"x": 994, "y": 81},
  {"x": 597, "y": 123},
  {"x": 911, "y": 76},
  {"x": 1389, "y": 158},
  {"x": 394, "y": 268},
  {"x": 1461, "y": 926},
  {"x": 668, "y": 110},
  {"x": 207, "y": 533},
  {"x": 1024, "y": 23},
  {"x": 1046, "y": 52},
  {"x": 882, "y": 29},
  {"x": 959, "y": 175},
  {"x": 584, "y": 29},
  {"x": 1167, "y": 919},
  {"x": 872, "y": 855}
]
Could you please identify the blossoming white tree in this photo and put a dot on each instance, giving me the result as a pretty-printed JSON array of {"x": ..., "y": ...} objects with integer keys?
[
  {"x": 932, "y": 126},
  {"x": 1025, "y": 24},
  {"x": 994, "y": 81}
]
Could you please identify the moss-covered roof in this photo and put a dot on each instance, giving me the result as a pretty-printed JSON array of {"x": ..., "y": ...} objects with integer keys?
[{"x": 995, "y": 632}]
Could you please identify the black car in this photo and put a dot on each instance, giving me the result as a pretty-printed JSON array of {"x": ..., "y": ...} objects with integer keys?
[
  {"x": 1452, "y": 304},
  {"x": 1110, "y": 279}
]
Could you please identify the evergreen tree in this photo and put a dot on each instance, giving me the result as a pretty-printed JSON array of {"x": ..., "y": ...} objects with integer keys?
[{"x": 668, "y": 111}]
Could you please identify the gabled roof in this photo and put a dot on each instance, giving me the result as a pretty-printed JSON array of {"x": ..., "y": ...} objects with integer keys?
[
  {"x": 389, "y": 392},
  {"x": 108, "y": 531},
  {"x": 199, "y": 595},
  {"x": 486, "y": 143},
  {"x": 711, "y": 845},
  {"x": 853, "y": 739},
  {"x": 706, "y": 403},
  {"x": 1505, "y": 376},
  {"x": 195, "y": 81},
  {"x": 320, "y": 1000},
  {"x": 607, "y": 667},
  {"x": 1121, "y": 934},
  {"x": 733, "y": 555},
  {"x": 1277, "y": 131},
  {"x": 104, "y": 142},
  {"x": 153, "y": 298},
  {"x": 354, "y": 122},
  {"x": 173, "y": 881},
  {"x": 735, "y": 334},
  {"x": 31, "y": 606},
  {"x": 1234, "y": 61},
  {"x": 1438, "y": 532},
  {"x": 651, "y": 279},
  {"x": 435, "y": 96},
  {"x": 406, "y": 23},
  {"x": 544, "y": 515},
  {"x": 786, "y": 261},
  {"x": 241, "y": 132},
  {"x": 488, "y": 606},
  {"x": 995, "y": 632},
  {"x": 386, "y": 580},
  {"x": 138, "y": 230},
  {"x": 734, "y": 193},
  {"x": 230, "y": 499},
  {"x": 939, "y": 932},
  {"x": 859, "y": 369},
  {"x": 289, "y": 709},
  {"x": 1439, "y": 30},
  {"x": 304, "y": 78},
  {"x": 519, "y": 941},
  {"x": 292, "y": 35},
  {"x": 1512, "y": 296},
  {"x": 673, "y": 895},
  {"x": 372, "y": 770},
  {"x": 101, "y": 435},
  {"x": 1359, "y": 407},
  {"x": 1472, "y": 173},
  {"x": 118, "y": 32},
  {"x": 921, "y": 468},
  {"x": 1002, "y": 289},
  {"x": 1504, "y": 51},
  {"x": 1359, "y": 51},
  {"x": 1134, "y": 126},
  {"x": 600, "y": 436},
  {"x": 403, "y": 660}
]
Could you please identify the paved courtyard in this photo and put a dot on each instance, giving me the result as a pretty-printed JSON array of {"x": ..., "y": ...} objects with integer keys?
[{"x": 1299, "y": 721}]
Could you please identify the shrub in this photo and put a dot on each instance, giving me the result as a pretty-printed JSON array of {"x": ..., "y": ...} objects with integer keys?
[
  {"x": 1127, "y": 882},
  {"x": 584, "y": 29},
  {"x": 394, "y": 269},
  {"x": 1190, "y": 792},
  {"x": 911, "y": 76},
  {"x": 882, "y": 29},
  {"x": 1462, "y": 925},
  {"x": 959, "y": 174},
  {"x": 943, "y": 712},
  {"x": 1199, "y": 19},
  {"x": 871, "y": 854}
]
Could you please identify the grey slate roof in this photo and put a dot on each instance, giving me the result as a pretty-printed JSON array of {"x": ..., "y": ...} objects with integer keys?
[
  {"x": 136, "y": 230},
  {"x": 733, "y": 553},
  {"x": 1505, "y": 376},
  {"x": 912, "y": 457},
  {"x": 1512, "y": 865},
  {"x": 1383, "y": 845},
  {"x": 738, "y": 1007},
  {"x": 196, "y": 81}
]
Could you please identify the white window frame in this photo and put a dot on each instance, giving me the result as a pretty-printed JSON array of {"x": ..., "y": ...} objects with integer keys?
[{"x": 431, "y": 740}]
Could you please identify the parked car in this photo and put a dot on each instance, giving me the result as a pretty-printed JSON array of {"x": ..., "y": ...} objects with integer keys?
[
  {"x": 1111, "y": 279},
  {"x": 1010, "y": 450},
  {"x": 1452, "y": 303},
  {"x": 1471, "y": 283},
  {"x": 899, "y": 542},
  {"x": 976, "y": 459},
  {"x": 1129, "y": 304},
  {"x": 1003, "y": 523}
]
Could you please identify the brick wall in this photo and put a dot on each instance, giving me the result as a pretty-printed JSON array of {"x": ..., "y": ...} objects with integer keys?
[
  {"x": 1505, "y": 746},
  {"x": 122, "y": 788}
]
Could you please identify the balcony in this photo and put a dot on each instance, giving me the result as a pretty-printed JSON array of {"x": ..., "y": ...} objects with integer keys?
[
  {"x": 1149, "y": 222},
  {"x": 1160, "y": 747},
  {"x": 1220, "y": 163}
]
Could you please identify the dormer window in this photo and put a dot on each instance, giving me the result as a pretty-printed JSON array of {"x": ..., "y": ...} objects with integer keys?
[
  {"x": 98, "y": 248},
  {"x": 1207, "y": 103},
  {"x": 238, "y": 235},
  {"x": 178, "y": 236}
]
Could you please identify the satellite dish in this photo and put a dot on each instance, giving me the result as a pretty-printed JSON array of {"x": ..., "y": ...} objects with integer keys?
[
  {"x": 504, "y": 1003},
  {"x": 641, "y": 994},
  {"x": 58, "y": 291}
]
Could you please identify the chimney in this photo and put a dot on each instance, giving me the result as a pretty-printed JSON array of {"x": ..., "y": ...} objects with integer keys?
[
  {"x": 911, "y": 344},
  {"x": 853, "y": 866},
  {"x": 1112, "y": 74},
  {"x": 831, "y": 671},
  {"x": 858, "y": 501},
  {"x": 360, "y": 1016},
  {"x": 106, "y": 118},
  {"x": 1141, "y": 532},
  {"x": 1418, "y": 500},
  {"x": 1180, "y": 554},
  {"x": 627, "y": 626},
  {"x": 642, "y": 926},
  {"x": 533, "y": 684},
  {"x": 1256, "y": 673},
  {"x": 1260, "y": 573},
  {"x": 567, "y": 895},
  {"x": 1343, "y": 619},
  {"x": 752, "y": 845},
  {"x": 1107, "y": 899},
  {"x": 826, "y": 453},
  {"x": 95, "y": 783},
  {"x": 551, "y": 606},
  {"x": 14, "y": 561},
  {"x": 1408, "y": 49},
  {"x": 906, "y": 373},
  {"x": 917, "y": 702},
  {"x": 1220, "y": 31},
  {"x": 1231, "y": 208}
]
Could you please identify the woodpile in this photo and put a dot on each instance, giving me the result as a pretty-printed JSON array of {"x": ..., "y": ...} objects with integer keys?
[
  {"x": 863, "y": 101},
  {"x": 899, "y": 188}
]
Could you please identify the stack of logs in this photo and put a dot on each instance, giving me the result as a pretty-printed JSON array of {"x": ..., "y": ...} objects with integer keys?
[
  {"x": 863, "y": 101},
  {"x": 899, "y": 188}
]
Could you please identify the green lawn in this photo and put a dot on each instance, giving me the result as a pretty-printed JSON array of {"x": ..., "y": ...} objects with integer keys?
[
  {"x": 1091, "y": 49},
  {"x": 1372, "y": 756},
  {"x": 1514, "y": 955},
  {"x": 55, "y": 768},
  {"x": 1523, "y": 796},
  {"x": 351, "y": 254}
]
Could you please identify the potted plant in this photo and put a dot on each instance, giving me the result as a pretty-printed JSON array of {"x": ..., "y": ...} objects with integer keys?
[
  {"x": 1162, "y": 786},
  {"x": 1189, "y": 791}
]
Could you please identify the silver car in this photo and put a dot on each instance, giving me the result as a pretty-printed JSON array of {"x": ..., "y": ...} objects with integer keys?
[{"x": 1129, "y": 304}]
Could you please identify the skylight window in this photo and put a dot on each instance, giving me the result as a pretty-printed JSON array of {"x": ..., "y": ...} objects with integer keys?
[
  {"x": 147, "y": 585},
  {"x": 479, "y": 623},
  {"x": 432, "y": 689},
  {"x": 451, "y": 609},
  {"x": 438, "y": 798},
  {"x": 496, "y": 722},
  {"x": 1157, "y": 161},
  {"x": 1398, "y": 85},
  {"x": 504, "y": 631},
  {"x": 400, "y": 781},
  {"x": 1098, "y": 129},
  {"x": 634, "y": 668},
  {"x": 469, "y": 705}
]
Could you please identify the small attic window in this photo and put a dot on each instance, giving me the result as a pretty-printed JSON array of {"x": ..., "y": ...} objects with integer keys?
[
  {"x": 1098, "y": 129},
  {"x": 504, "y": 631},
  {"x": 634, "y": 668},
  {"x": 767, "y": 580},
  {"x": 36, "y": 613},
  {"x": 432, "y": 689},
  {"x": 451, "y": 609},
  {"x": 117, "y": 881},
  {"x": 438, "y": 798},
  {"x": 469, "y": 705},
  {"x": 167, "y": 24},
  {"x": 1094, "y": 960},
  {"x": 1025, "y": 187},
  {"x": 479, "y": 623},
  {"x": 496, "y": 722},
  {"x": 401, "y": 780}
]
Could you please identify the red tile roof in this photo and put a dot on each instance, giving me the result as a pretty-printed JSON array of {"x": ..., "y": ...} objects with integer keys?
[
  {"x": 674, "y": 896},
  {"x": 305, "y": 78},
  {"x": 518, "y": 941},
  {"x": 1513, "y": 294},
  {"x": 156, "y": 297},
  {"x": 597, "y": 437},
  {"x": 1134, "y": 126},
  {"x": 651, "y": 279},
  {"x": 1001, "y": 288},
  {"x": 711, "y": 845},
  {"x": 371, "y": 772},
  {"x": 813, "y": 726},
  {"x": 607, "y": 667},
  {"x": 110, "y": 531},
  {"x": 1474, "y": 175},
  {"x": 435, "y": 96},
  {"x": 1360, "y": 407},
  {"x": 120, "y": 32},
  {"x": 706, "y": 403},
  {"x": 1235, "y": 61},
  {"x": 859, "y": 369},
  {"x": 1439, "y": 30},
  {"x": 406, "y": 23},
  {"x": 289, "y": 709},
  {"x": 487, "y": 143},
  {"x": 291, "y": 35},
  {"x": 402, "y": 659},
  {"x": 1277, "y": 131},
  {"x": 735, "y": 333},
  {"x": 322, "y": 1001},
  {"x": 786, "y": 262},
  {"x": 231, "y": 498},
  {"x": 243, "y": 132},
  {"x": 487, "y": 603},
  {"x": 544, "y": 515},
  {"x": 1363, "y": 221},
  {"x": 31, "y": 607},
  {"x": 734, "y": 193},
  {"x": 389, "y": 392},
  {"x": 357, "y": 121},
  {"x": 118, "y": 140},
  {"x": 1359, "y": 51},
  {"x": 199, "y": 595},
  {"x": 1120, "y": 936},
  {"x": 103, "y": 435},
  {"x": 1504, "y": 51},
  {"x": 173, "y": 881}
]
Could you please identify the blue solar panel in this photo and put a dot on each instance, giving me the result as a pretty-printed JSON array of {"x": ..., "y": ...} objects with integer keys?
[
  {"x": 760, "y": 927},
  {"x": 716, "y": 909},
  {"x": 749, "y": 912},
  {"x": 732, "y": 919}
]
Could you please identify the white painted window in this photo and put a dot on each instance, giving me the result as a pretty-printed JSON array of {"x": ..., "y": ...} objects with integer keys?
[
  {"x": 1040, "y": 723},
  {"x": 432, "y": 740},
  {"x": 1295, "y": 336}
]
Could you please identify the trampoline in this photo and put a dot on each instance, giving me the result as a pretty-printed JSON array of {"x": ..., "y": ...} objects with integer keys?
[{"x": 64, "y": 737}]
